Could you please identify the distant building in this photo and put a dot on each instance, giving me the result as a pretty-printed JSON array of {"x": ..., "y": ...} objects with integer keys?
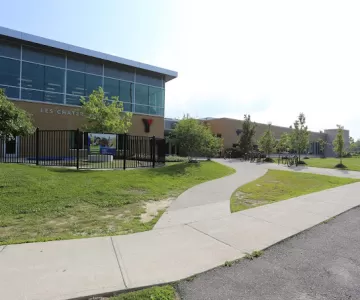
[{"x": 230, "y": 129}]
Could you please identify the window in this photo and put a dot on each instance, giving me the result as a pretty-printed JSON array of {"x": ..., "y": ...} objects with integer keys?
[
  {"x": 92, "y": 83},
  {"x": 126, "y": 91},
  {"x": 84, "y": 65},
  {"x": 119, "y": 71},
  {"x": 33, "y": 95},
  {"x": 156, "y": 97},
  {"x": 40, "y": 77},
  {"x": 142, "y": 109},
  {"x": 9, "y": 49},
  {"x": 43, "y": 57},
  {"x": 75, "y": 83},
  {"x": 73, "y": 100},
  {"x": 150, "y": 78},
  {"x": 142, "y": 94},
  {"x": 10, "y": 92},
  {"x": 111, "y": 87},
  {"x": 9, "y": 72},
  {"x": 158, "y": 111}
]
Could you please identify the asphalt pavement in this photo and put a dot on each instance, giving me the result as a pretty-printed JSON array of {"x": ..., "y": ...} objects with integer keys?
[{"x": 322, "y": 263}]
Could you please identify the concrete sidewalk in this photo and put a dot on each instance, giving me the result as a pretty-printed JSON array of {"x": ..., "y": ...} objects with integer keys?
[{"x": 75, "y": 268}]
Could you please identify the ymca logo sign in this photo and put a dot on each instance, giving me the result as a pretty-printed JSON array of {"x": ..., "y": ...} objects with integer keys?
[{"x": 147, "y": 124}]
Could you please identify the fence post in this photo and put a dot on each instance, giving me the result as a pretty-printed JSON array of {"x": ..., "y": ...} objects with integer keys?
[
  {"x": 37, "y": 145},
  {"x": 77, "y": 148},
  {"x": 153, "y": 151},
  {"x": 124, "y": 149}
]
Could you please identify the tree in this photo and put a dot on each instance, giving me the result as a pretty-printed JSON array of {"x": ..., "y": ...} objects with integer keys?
[
  {"x": 299, "y": 137},
  {"x": 267, "y": 141},
  {"x": 284, "y": 143},
  {"x": 105, "y": 115},
  {"x": 353, "y": 145},
  {"x": 339, "y": 143},
  {"x": 195, "y": 138},
  {"x": 14, "y": 121},
  {"x": 247, "y": 135},
  {"x": 322, "y": 144}
]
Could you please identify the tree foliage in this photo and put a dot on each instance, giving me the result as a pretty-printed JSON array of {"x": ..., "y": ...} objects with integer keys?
[
  {"x": 247, "y": 135},
  {"x": 105, "y": 115},
  {"x": 14, "y": 121},
  {"x": 267, "y": 141},
  {"x": 322, "y": 145},
  {"x": 299, "y": 137},
  {"x": 283, "y": 144},
  {"x": 195, "y": 138},
  {"x": 339, "y": 143}
]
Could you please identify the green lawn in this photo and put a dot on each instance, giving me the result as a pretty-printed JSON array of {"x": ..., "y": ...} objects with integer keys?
[
  {"x": 166, "y": 292},
  {"x": 281, "y": 185},
  {"x": 352, "y": 163},
  {"x": 39, "y": 204}
]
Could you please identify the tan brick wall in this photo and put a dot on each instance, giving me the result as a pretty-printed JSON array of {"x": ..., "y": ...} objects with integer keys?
[
  {"x": 56, "y": 117},
  {"x": 227, "y": 128}
]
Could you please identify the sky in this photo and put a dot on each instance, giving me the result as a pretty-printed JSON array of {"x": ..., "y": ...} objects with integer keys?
[{"x": 270, "y": 59}]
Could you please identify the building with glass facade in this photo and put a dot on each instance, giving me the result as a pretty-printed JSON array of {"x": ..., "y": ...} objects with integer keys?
[{"x": 47, "y": 78}]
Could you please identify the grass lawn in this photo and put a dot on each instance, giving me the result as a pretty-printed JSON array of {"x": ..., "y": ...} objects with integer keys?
[
  {"x": 281, "y": 185},
  {"x": 166, "y": 292},
  {"x": 40, "y": 204},
  {"x": 352, "y": 163}
]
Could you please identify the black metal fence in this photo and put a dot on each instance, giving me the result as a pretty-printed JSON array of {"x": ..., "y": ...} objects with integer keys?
[{"x": 82, "y": 150}]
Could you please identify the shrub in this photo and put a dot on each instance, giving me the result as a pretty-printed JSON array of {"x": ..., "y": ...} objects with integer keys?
[
  {"x": 175, "y": 158},
  {"x": 306, "y": 157},
  {"x": 301, "y": 162},
  {"x": 340, "y": 166},
  {"x": 268, "y": 159}
]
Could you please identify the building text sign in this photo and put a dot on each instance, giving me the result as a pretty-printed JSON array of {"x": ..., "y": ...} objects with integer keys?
[{"x": 66, "y": 112}]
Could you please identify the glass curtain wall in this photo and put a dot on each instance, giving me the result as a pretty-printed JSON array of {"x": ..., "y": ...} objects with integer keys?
[{"x": 37, "y": 74}]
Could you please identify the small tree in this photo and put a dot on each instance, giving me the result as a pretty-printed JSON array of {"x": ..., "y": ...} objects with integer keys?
[
  {"x": 105, "y": 115},
  {"x": 352, "y": 146},
  {"x": 14, "y": 121},
  {"x": 339, "y": 143},
  {"x": 322, "y": 145},
  {"x": 284, "y": 143},
  {"x": 247, "y": 135},
  {"x": 195, "y": 138},
  {"x": 267, "y": 141},
  {"x": 299, "y": 136}
]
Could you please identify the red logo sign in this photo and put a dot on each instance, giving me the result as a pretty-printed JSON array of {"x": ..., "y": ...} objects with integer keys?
[{"x": 147, "y": 124}]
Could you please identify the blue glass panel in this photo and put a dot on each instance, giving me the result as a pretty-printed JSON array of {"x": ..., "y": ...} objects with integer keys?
[
  {"x": 32, "y": 95},
  {"x": 10, "y": 92},
  {"x": 142, "y": 94},
  {"x": 54, "y": 79},
  {"x": 32, "y": 76},
  {"x": 142, "y": 109},
  {"x": 9, "y": 49},
  {"x": 92, "y": 83},
  {"x": 73, "y": 100},
  {"x": 119, "y": 71},
  {"x": 75, "y": 83},
  {"x": 150, "y": 78},
  {"x": 43, "y": 56},
  {"x": 53, "y": 97},
  {"x": 126, "y": 91},
  {"x": 156, "y": 96},
  {"x": 111, "y": 87},
  {"x": 9, "y": 72}
]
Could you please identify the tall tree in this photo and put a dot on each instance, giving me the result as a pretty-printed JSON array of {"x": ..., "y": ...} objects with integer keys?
[
  {"x": 195, "y": 138},
  {"x": 247, "y": 135},
  {"x": 105, "y": 115},
  {"x": 339, "y": 143},
  {"x": 267, "y": 141},
  {"x": 14, "y": 121},
  {"x": 299, "y": 136},
  {"x": 352, "y": 146}
]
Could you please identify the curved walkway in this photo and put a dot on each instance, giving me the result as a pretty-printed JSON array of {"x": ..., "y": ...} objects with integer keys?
[
  {"x": 95, "y": 266},
  {"x": 209, "y": 200}
]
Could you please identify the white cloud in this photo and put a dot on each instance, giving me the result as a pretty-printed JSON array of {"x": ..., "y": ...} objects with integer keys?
[{"x": 285, "y": 56}]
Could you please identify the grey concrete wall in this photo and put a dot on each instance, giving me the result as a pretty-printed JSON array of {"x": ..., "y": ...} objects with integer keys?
[{"x": 330, "y": 136}]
